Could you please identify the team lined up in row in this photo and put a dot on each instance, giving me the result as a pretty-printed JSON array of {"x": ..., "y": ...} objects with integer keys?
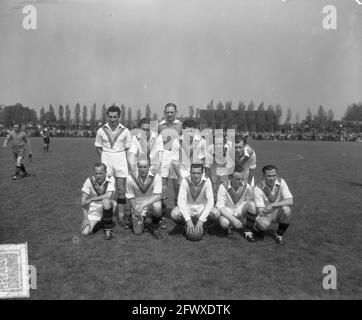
[{"x": 206, "y": 190}]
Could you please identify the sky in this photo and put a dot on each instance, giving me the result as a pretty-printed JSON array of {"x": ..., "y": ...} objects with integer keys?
[{"x": 187, "y": 52}]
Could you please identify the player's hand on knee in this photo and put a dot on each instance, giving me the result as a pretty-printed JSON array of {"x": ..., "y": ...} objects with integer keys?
[
  {"x": 138, "y": 208},
  {"x": 135, "y": 218},
  {"x": 237, "y": 224},
  {"x": 189, "y": 226},
  {"x": 200, "y": 226}
]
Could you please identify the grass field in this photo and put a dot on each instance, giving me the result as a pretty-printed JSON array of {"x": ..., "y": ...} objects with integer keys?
[{"x": 44, "y": 211}]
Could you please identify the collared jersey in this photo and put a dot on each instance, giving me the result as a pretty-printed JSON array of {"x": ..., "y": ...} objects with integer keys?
[
  {"x": 113, "y": 141},
  {"x": 177, "y": 124},
  {"x": 264, "y": 196},
  {"x": 169, "y": 132},
  {"x": 93, "y": 189},
  {"x": 139, "y": 189},
  {"x": 230, "y": 198},
  {"x": 195, "y": 199}
]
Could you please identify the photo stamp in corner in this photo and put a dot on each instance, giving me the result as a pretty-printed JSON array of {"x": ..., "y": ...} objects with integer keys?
[{"x": 14, "y": 274}]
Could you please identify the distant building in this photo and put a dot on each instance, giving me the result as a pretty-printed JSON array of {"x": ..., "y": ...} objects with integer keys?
[{"x": 247, "y": 120}]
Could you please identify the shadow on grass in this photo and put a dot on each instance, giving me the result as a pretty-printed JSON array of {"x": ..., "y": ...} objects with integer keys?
[{"x": 355, "y": 184}]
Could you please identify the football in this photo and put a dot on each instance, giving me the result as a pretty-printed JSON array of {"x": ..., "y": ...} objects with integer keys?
[
  {"x": 194, "y": 236},
  {"x": 138, "y": 227}
]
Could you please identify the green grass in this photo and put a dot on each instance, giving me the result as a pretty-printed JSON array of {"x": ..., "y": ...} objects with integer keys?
[{"x": 44, "y": 210}]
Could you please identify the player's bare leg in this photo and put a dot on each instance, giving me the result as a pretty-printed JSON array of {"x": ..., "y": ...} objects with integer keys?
[{"x": 153, "y": 222}]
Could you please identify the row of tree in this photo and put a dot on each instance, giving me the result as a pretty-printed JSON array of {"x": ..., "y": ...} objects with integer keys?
[
  {"x": 249, "y": 117},
  {"x": 80, "y": 115},
  {"x": 261, "y": 118}
]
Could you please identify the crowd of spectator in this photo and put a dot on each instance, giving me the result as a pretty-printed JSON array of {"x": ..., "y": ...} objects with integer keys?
[
  {"x": 274, "y": 136},
  {"x": 309, "y": 136}
]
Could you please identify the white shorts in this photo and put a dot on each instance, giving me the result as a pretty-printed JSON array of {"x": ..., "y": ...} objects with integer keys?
[
  {"x": 116, "y": 163},
  {"x": 167, "y": 169},
  {"x": 193, "y": 213},
  {"x": 238, "y": 211},
  {"x": 272, "y": 217},
  {"x": 154, "y": 207},
  {"x": 95, "y": 211}
]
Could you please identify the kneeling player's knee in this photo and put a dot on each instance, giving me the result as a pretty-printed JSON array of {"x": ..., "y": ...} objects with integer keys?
[
  {"x": 176, "y": 215},
  {"x": 157, "y": 209},
  {"x": 87, "y": 231},
  {"x": 121, "y": 192},
  {"x": 107, "y": 204},
  {"x": 286, "y": 212},
  {"x": 214, "y": 214},
  {"x": 251, "y": 207},
  {"x": 262, "y": 223},
  {"x": 224, "y": 223}
]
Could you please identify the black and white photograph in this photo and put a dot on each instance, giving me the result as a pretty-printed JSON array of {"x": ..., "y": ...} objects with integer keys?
[{"x": 169, "y": 150}]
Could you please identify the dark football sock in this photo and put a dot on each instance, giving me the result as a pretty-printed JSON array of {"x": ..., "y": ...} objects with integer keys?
[
  {"x": 250, "y": 221},
  {"x": 282, "y": 228},
  {"x": 107, "y": 219},
  {"x": 121, "y": 200},
  {"x": 163, "y": 207},
  {"x": 258, "y": 232},
  {"x": 156, "y": 220},
  {"x": 22, "y": 168},
  {"x": 17, "y": 170}
]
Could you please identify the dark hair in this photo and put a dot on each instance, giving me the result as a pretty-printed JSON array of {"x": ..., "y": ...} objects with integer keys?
[
  {"x": 240, "y": 138},
  {"x": 100, "y": 164},
  {"x": 114, "y": 109},
  {"x": 269, "y": 167},
  {"x": 238, "y": 168},
  {"x": 170, "y": 104},
  {"x": 197, "y": 165},
  {"x": 143, "y": 121},
  {"x": 189, "y": 123}
]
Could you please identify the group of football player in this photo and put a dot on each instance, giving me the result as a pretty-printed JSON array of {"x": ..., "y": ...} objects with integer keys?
[{"x": 212, "y": 178}]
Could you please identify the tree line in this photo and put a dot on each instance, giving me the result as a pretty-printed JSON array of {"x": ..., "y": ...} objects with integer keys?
[{"x": 248, "y": 117}]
